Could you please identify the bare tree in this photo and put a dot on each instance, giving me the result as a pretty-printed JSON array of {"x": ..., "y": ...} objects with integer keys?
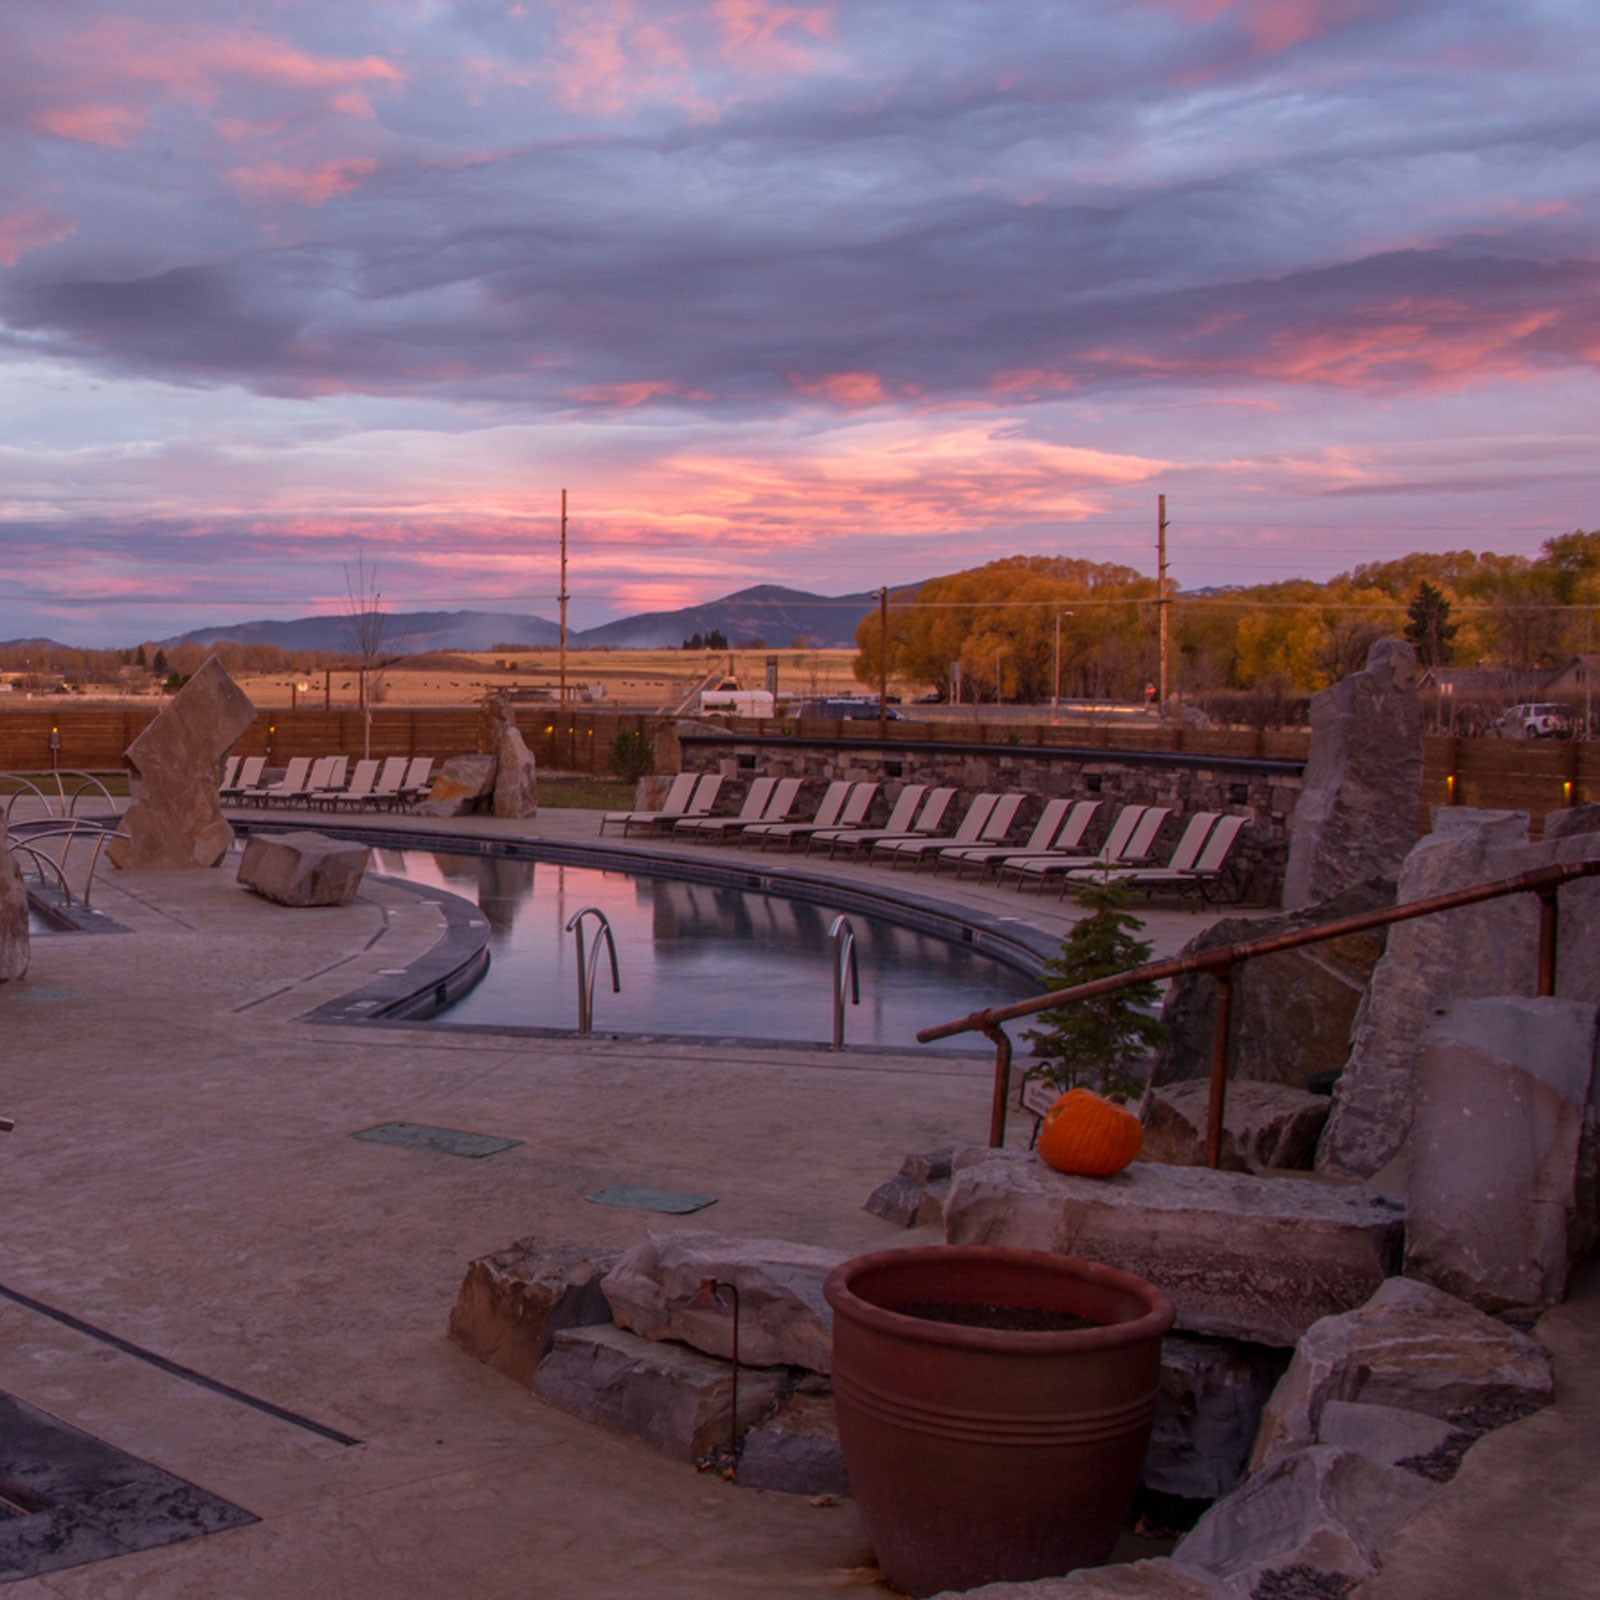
[{"x": 369, "y": 629}]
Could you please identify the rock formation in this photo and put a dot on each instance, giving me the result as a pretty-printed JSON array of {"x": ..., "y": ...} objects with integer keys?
[
  {"x": 1357, "y": 813},
  {"x": 176, "y": 819},
  {"x": 14, "y": 945},
  {"x": 303, "y": 869}
]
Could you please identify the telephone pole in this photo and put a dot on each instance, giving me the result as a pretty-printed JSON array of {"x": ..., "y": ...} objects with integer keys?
[
  {"x": 1161, "y": 601},
  {"x": 563, "y": 598},
  {"x": 883, "y": 662}
]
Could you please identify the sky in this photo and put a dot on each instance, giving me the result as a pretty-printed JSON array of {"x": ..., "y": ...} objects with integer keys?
[{"x": 298, "y": 296}]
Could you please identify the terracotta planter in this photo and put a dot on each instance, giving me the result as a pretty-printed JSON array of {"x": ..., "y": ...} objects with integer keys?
[{"x": 979, "y": 1454}]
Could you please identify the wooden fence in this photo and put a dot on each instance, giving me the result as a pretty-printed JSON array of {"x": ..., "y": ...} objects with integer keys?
[{"x": 1536, "y": 776}]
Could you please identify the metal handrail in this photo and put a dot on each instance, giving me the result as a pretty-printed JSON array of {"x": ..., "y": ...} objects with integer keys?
[
  {"x": 29, "y": 787},
  {"x": 846, "y": 969},
  {"x": 68, "y": 804},
  {"x": 41, "y": 861},
  {"x": 72, "y": 831},
  {"x": 1220, "y": 961},
  {"x": 586, "y": 968}
]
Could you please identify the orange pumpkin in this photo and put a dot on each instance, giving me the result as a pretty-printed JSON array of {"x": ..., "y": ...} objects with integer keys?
[{"x": 1088, "y": 1135}]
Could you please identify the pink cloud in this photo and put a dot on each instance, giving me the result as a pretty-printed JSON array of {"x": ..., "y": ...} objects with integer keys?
[
  {"x": 851, "y": 391},
  {"x": 22, "y": 231},
  {"x": 116, "y": 127},
  {"x": 758, "y": 36},
  {"x": 312, "y": 186},
  {"x": 625, "y": 396}
]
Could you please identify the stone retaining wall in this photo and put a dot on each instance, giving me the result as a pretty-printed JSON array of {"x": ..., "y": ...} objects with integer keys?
[{"x": 1264, "y": 790}]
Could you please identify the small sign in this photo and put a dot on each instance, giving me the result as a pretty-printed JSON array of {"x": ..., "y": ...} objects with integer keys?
[{"x": 1039, "y": 1094}]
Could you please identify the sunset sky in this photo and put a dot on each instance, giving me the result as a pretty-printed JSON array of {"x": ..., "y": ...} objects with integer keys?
[{"x": 824, "y": 294}]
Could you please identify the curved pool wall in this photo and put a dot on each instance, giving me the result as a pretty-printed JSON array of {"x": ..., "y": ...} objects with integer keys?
[{"x": 457, "y": 961}]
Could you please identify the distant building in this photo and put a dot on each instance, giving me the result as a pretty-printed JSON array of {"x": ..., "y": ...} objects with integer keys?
[
  {"x": 1580, "y": 676},
  {"x": 1507, "y": 683}
]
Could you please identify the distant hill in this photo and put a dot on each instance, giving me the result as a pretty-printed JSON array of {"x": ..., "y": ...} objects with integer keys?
[
  {"x": 777, "y": 615},
  {"x": 767, "y": 611}
]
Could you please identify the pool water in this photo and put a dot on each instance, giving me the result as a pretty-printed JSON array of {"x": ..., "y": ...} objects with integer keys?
[{"x": 698, "y": 959}]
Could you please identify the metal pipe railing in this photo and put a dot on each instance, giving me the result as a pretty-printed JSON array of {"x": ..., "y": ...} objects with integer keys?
[
  {"x": 846, "y": 973},
  {"x": 586, "y": 969},
  {"x": 73, "y": 830},
  {"x": 1220, "y": 961}
]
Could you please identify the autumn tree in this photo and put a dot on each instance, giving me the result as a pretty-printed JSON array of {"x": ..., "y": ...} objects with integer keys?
[{"x": 1428, "y": 625}]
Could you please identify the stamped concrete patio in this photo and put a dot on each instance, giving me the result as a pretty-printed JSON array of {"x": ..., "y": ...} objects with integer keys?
[{"x": 183, "y": 1177}]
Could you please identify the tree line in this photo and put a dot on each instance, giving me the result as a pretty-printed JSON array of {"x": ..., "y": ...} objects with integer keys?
[{"x": 1005, "y": 630}]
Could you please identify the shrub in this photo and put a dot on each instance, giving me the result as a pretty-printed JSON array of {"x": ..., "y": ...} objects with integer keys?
[
  {"x": 1098, "y": 1043},
  {"x": 631, "y": 756}
]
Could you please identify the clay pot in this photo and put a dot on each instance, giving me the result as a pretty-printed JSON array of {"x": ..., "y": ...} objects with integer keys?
[{"x": 982, "y": 1454}]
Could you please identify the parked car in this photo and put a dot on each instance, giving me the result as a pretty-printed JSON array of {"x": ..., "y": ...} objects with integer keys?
[{"x": 1542, "y": 719}]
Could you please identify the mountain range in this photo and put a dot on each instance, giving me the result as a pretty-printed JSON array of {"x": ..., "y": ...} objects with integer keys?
[{"x": 776, "y": 615}]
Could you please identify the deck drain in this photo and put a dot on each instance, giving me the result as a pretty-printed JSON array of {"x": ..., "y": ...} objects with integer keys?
[
  {"x": 447, "y": 1141},
  {"x": 624, "y": 1194},
  {"x": 72, "y": 1499}
]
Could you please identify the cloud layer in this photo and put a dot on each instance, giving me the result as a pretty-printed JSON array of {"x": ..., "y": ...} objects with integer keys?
[{"x": 833, "y": 294}]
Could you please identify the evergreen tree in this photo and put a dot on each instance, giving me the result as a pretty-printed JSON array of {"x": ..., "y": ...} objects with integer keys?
[
  {"x": 158, "y": 663},
  {"x": 1429, "y": 626},
  {"x": 1097, "y": 1043}
]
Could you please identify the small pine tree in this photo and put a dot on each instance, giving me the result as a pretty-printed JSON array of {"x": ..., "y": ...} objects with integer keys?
[
  {"x": 631, "y": 756},
  {"x": 1097, "y": 1043}
]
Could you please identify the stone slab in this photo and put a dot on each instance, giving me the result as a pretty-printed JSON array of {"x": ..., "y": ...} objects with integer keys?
[
  {"x": 783, "y": 1318},
  {"x": 674, "y": 1399},
  {"x": 1266, "y": 1126},
  {"x": 303, "y": 869},
  {"x": 1242, "y": 1257},
  {"x": 796, "y": 1450},
  {"x": 1355, "y": 818},
  {"x": 511, "y": 1304},
  {"x": 1320, "y": 1513},
  {"x": 1502, "y": 1155},
  {"x": 1411, "y": 1346},
  {"x": 516, "y": 778},
  {"x": 1388, "y": 1435},
  {"x": 915, "y": 1196},
  {"x": 176, "y": 819},
  {"x": 15, "y": 944},
  {"x": 1133, "y": 1580},
  {"x": 459, "y": 787}
]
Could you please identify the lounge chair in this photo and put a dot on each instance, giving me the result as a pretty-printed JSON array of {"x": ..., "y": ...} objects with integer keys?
[
  {"x": 1208, "y": 869},
  {"x": 292, "y": 782},
  {"x": 419, "y": 774},
  {"x": 335, "y": 779},
  {"x": 247, "y": 776},
  {"x": 1038, "y": 868},
  {"x": 849, "y": 812},
  {"x": 675, "y": 805},
  {"x": 1140, "y": 844},
  {"x": 230, "y": 770},
  {"x": 355, "y": 792},
  {"x": 317, "y": 777},
  {"x": 927, "y": 821},
  {"x": 1060, "y": 829},
  {"x": 701, "y": 799},
  {"x": 392, "y": 775},
  {"x": 968, "y": 831},
  {"x": 993, "y": 832},
  {"x": 758, "y": 798}
]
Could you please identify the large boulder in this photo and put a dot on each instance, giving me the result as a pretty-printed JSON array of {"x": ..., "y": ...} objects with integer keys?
[
  {"x": 1357, "y": 813},
  {"x": 1311, "y": 1525},
  {"x": 783, "y": 1318},
  {"x": 460, "y": 787},
  {"x": 1411, "y": 1346},
  {"x": 1502, "y": 1158},
  {"x": 303, "y": 869},
  {"x": 1292, "y": 1012},
  {"x": 176, "y": 818},
  {"x": 511, "y": 1304},
  {"x": 796, "y": 1450},
  {"x": 14, "y": 942},
  {"x": 516, "y": 778},
  {"x": 915, "y": 1195},
  {"x": 1266, "y": 1126},
  {"x": 1242, "y": 1257},
  {"x": 1485, "y": 949}
]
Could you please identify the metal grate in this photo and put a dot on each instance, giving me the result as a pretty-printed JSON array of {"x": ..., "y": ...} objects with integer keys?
[{"x": 446, "y": 1141}]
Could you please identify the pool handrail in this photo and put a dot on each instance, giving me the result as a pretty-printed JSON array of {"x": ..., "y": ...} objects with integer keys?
[
  {"x": 842, "y": 941},
  {"x": 586, "y": 969}
]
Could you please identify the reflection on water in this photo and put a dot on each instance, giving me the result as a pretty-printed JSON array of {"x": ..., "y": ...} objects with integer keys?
[{"x": 700, "y": 959}]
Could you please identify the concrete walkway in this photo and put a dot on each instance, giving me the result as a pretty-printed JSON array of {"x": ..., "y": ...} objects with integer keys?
[{"x": 183, "y": 1176}]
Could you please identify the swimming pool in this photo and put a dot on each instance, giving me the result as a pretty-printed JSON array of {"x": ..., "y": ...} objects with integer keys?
[{"x": 698, "y": 960}]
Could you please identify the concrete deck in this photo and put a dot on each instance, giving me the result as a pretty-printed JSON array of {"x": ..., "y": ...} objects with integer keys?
[{"x": 183, "y": 1176}]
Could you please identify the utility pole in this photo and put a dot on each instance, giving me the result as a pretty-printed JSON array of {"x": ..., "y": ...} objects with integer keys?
[
  {"x": 883, "y": 662},
  {"x": 562, "y": 694},
  {"x": 1161, "y": 601}
]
